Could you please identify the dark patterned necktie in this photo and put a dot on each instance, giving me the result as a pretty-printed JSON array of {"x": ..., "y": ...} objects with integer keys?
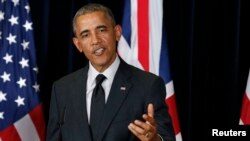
[{"x": 97, "y": 105}]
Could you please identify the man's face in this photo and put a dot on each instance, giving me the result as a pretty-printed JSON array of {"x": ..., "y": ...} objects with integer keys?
[{"x": 96, "y": 37}]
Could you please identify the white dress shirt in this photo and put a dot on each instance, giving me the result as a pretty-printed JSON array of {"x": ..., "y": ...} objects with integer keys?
[{"x": 109, "y": 73}]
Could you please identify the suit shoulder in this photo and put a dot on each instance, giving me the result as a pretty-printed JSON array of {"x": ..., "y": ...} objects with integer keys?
[
  {"x": 70, "y": 77},
  {"x": 144, "y": 74}
]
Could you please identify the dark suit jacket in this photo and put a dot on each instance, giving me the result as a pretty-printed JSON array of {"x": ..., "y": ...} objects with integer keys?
[{"x": 68, "y": 116}]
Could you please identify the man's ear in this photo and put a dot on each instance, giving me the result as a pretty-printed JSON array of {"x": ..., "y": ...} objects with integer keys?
[
  {"x": 118, "y": 32},
  {"x": 75, "y": 41}
]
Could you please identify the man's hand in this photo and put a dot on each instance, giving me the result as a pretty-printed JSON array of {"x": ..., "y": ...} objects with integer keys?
[{"x": 145, "y": 131}]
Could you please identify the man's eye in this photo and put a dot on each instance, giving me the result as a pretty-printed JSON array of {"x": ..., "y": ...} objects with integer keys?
[
  {"x": 102, "y": 29},
  {"x": 84, "y": 35}
]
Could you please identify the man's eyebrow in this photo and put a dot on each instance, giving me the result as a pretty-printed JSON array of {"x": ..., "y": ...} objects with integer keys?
[
  {"x": 101, "y": 26},
  {"x": 98, "y": 27}
]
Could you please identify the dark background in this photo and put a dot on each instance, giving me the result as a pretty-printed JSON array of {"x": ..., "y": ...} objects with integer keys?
[{"x": 208, "y": 45}]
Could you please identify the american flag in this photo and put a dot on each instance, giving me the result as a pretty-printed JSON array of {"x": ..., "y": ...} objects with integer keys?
[
  {"x": 144, "y": 45},
  {"x": 21, "y": 114},
  {"x": 245, "y": 111}
]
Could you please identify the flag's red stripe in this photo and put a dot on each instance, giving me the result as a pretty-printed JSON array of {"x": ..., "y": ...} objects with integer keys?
[
  {"x": 245, "y": 111},
  {"x": 38, "y": 119},
  {"x": 143, "y": 33},
  {"x": 173, "y": 113},
  {"x": 9, "y": 134}
]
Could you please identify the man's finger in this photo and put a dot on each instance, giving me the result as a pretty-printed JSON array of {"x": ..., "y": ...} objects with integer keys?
[
  {"x": 137, "y": 129},
  {"x": 151, "y": 110},
  {"x": 149, "y": 120}
]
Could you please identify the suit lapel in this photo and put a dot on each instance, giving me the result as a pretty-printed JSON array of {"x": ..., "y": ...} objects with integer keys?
[
  {"x": 80, "y": 101},
  {"x": 118, "y": 93}
]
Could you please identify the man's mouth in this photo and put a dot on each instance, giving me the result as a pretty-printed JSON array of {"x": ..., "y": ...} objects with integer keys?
[{"x": 99, "y": 51}]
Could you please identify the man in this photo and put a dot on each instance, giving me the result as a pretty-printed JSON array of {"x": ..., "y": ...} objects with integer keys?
[{"x": 134, "y": 107}]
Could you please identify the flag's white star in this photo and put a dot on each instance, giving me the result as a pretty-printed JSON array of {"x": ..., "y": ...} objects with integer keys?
[
  {"x": 27, "y": 7},
  {"x": 20, "y": 101},
  {"x": 3, "y": 1},
  {"x": 21, "y": 82},
  {"x": 25, "y": 44},
  {"x": 13, "y": 20},
  {"x": 8, "y": 58},
  {"x": 2, "y": 96},
  {"x": 35, "y": 69},
  {"x": 1, "y": 16},
  {"x": 27, "y": 26},
  {"x": 11, "y": 39},
  {"x": 1, "y": 115},
  {"x": 16, "y": 2},
  {"x": 5, "y": 76},
  {"x": 24, "y": 62},
  {"x": 36, "y": 87}
]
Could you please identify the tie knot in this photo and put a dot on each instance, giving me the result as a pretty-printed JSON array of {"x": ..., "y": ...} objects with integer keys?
[{"x": 99, "y": 79}]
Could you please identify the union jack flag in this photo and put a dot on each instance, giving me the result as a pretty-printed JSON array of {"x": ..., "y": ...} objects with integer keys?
[
  {"x": 21, "y": 114},
  {"x": 245, "y": 110},
  {"x": 144, "y": 45}
]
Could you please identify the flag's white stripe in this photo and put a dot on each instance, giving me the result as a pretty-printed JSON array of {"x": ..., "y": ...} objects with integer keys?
[
  {"x": 241, "y": 122},
  {"x": 155, "y": 34},
  {"x": 134, "y": 29},
  {"x": 248, "y": 86},
  {"x": 124, "y": 50},
  {"x": 127, "y": 54},
  {"x": 26, "y": 129},
  {"x": 169, "y": 89},
  {"x": 178, "y": 137}
]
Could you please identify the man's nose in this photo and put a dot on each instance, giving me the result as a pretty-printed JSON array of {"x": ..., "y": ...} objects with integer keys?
[{"x": 95, "y": 38}]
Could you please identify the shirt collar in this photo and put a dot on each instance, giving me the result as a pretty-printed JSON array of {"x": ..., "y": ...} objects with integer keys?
[{"x": 109, "y": 73}]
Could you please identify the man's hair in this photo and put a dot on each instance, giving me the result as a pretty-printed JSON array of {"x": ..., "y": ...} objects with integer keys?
[{"x": 93, "y": 7}]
